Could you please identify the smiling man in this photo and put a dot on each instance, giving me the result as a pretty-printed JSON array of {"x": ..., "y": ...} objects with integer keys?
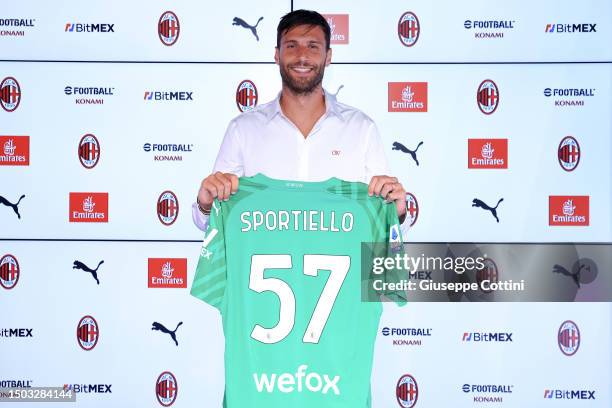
[{"x": 304, "y": 134}]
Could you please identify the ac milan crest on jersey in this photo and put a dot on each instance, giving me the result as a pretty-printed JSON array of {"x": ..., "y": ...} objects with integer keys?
[
  {"x": 10, "y": 94},
  {"x": 89, "y": 151},
  {"x": 407, "y": 391},
  {"x": 568, "y": 153},
  {"x": 88, "y": 333},
  {"x": 408, "y": 29},
  {"x": 568, "y": 338},
  {"x": 15, "y": 151},
  {"x": 487, "y": 97},
  {"x": 9, "y": 271},
  {"x": 167, "y": 208},
  {"x": 568, "y": 210},
  {"x": 246, "y": 96},
  {"x": 166, "y": 389},
  {"x": 412, "y": 208},
  {"x": 488, "y": 273},
  {"x": 168, "y": 28}
]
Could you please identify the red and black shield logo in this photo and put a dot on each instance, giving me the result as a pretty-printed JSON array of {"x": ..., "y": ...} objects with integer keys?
[
  {"x": 168, "y": 28},
  {"x": 88, "y": 333},
  {"x": 412, "y": 208},
  {"x": 166, "y": 388},
  {"x": 246, "y": 96},
  {"x": 167, "y": 208},
  {"x": 407, "y": 391},
  {"x": 89, "y": 151},
  {"x": 10, "y": 94},
  {"x": 487, "y": 97},
  {"x": 408, "y": 29},
  {"x": 9, "y": 271},
  {"x": 568, "y": 153}
]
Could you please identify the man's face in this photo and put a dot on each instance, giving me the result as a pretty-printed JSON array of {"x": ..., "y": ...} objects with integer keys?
[{"x": 302, "y": 58}]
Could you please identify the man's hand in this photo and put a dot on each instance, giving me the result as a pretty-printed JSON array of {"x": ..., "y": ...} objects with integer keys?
[
  {"x": 390, "y": 189},
  {"x": 217, "y": 185}
]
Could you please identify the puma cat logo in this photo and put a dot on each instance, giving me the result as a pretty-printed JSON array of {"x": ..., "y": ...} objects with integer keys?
[
  {"x": 412, "y": 153},
  {"x": 479, "y": 203},
  {"x": 162, "y": 328},
  {"x": 82, "y": 266},
  {"x": 13, "y": 206},
  {"x": 240, "y": 22}
]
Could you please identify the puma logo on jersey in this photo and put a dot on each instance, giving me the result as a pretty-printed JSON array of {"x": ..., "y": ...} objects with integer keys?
[
  {"x": 299, "y": 381},
  {"x": 209, "y": 237}
]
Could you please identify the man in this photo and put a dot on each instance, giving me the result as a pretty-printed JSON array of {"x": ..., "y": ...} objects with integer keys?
[{"x": 304, "y": 134}]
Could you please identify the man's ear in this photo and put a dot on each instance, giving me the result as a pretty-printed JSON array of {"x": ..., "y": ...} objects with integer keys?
[
  {"x": 328, "y": 57},
  {"x": 276, "y": 59}
]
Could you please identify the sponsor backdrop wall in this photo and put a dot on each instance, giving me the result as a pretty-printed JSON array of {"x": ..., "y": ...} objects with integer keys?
[{"x": 112, "y": 113}]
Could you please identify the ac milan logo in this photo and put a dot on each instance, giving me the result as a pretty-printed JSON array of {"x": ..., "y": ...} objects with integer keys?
[
  {"x": 167, "y": 208},
  {"x": 568, "y": 338},
  {"x": 408, "y": 29},
  {"x": 412, "y": 208},
  {"x": 488, "y": 273},
  {"x": 166, "y": 388},
  {"x": 168, "y": 28},
  {"x": 487, "y": 97},
  {"x": 88, "y": 333},
  {"x": 246, "y": 96},
  {"x": 10, "y": 94},
  {"x": 407, "y": 391},
  {"x": 569, "y": 153},
  {"x": 89, "y": 151},
  {"x": 9, "y": 271}
]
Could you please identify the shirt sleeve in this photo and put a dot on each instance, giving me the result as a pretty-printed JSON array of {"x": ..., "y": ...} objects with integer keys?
[
  {"x": 211, "y": 273},
  {"x": 375, "y": 159},
  {"x": 229, "y": 160}
]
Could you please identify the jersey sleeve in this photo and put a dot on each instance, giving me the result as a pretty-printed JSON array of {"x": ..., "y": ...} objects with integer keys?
[
  {"x": 211, "y": 273},
  {"x": 394, "y": 247}
]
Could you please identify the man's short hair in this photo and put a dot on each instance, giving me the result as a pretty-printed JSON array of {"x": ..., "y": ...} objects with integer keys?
[{"x": 302, "y": 17}]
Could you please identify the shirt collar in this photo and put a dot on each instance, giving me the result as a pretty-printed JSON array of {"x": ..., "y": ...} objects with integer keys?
[{"x": 331, "y": 106}]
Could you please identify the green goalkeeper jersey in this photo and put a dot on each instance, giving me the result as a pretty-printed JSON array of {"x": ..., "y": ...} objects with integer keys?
[{"x": 281, "y": 260}]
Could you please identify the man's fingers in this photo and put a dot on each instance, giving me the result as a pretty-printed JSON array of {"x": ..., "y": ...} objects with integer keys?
[
  {"x": 377, "y": 183},
  {"x": 226, "y": 186},
  {"x": 234, "y": 182}
]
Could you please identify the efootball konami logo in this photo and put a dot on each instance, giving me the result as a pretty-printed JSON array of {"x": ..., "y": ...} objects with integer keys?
[
  {"x": 88, "y": 333},
  {"x": 89, "y": 151},
  {"x": 10, "y": 94},
  {"x": 9, "y": 271},
  {"x": 167, "y": 208},
  {"x": 7, "y": 26},
  {"x": 407, "y": 391},
  {"x": 408, "y": 29},
  {"x": 246, "y": 96},
  {"x": 568, "y": 153},
  {"x": 487, "y": 96},
  {"x": 166, "y": 388},
  {"x": 168, "y": 28},
  {"x": 568, "y": 338}
]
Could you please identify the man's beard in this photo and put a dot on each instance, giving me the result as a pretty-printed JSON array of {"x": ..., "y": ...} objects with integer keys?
[{"x": 302, "y": 86}]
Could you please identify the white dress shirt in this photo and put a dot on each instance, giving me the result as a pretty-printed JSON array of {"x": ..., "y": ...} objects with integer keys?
[{"x": 344, "y": 143}]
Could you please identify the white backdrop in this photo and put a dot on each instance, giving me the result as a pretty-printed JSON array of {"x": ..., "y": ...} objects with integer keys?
[{"x": 210, "y": 58}]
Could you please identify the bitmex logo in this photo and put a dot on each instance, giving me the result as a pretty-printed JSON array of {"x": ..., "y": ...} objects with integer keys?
[
  {"x": 487, "y": 153},
  {"x": 568, "y": 210},
  {"x": 571, "y": 28},
  {"x": 167, "y": 273},
  {"x": 569, "y": 394},
  {"x": 487, "y": 337},
  {"x": 15, "y": 151},
  {"x": 339, "y": 26},
  {"x": 88, "y": 207},
  {"x": 168, "y": 96},
  {"x": 291, "y": 382},
  {"x": 89, "y": 388},
  {"x": 89, "y": 28},
  {"x": 407, "y": 96}
]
